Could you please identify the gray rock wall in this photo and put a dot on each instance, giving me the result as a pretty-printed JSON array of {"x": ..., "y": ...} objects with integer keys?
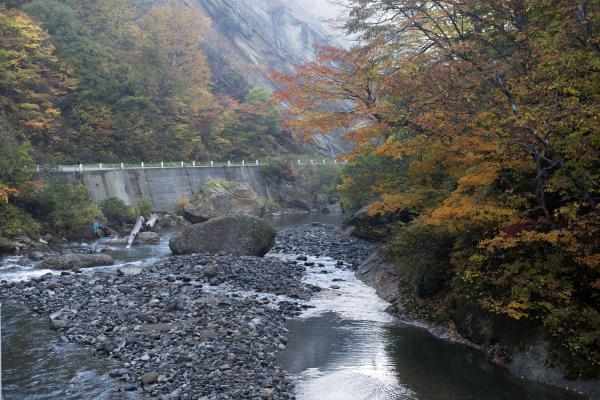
[{"x": 163, "y": 186}]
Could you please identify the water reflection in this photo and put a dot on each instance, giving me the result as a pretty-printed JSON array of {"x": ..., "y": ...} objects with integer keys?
[
  {"x": 291, "y": 220},
  {"x": 348, "y": 348},
  {"x": 340, "y": 359},
  {"x": 37, "y": 365}
]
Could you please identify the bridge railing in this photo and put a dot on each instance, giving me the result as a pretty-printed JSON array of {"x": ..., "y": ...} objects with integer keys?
[{"x": 190, "y": 164}]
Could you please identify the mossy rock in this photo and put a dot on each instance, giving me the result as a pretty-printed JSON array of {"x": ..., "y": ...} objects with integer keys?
[
  {"x": 219, "y": 197},
  {"x": 237, "y": 234},
  {"x": 7, "y": 246}
]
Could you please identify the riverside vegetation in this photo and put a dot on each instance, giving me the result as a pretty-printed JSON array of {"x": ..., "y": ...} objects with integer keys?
[
  {"x": 476, "y": 132},
  {"x": 479, "y": 120},
  {"x": 112, "y": 81}
]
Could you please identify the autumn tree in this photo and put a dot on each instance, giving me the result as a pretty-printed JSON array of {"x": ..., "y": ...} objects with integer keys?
[
  {"x": 32, "y": 81},
  {"x": 493, "y": 107}
]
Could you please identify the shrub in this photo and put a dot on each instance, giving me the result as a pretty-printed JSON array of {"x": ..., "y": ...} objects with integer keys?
[
  {"x": 212, "y": 185},
  {"x": 63, "y": 207},
  {"x": 143, "y": 207},
  {"x": 181, "y": 203},
  {"x": 277, "y": 171},
  {"x": 424, "y": 252},
  {"x": 115, "y": 210},
  {"x": 15, "y": 222}
]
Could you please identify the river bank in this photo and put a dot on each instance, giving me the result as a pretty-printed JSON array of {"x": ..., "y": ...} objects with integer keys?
[
  {"x": 184, "y": 327},
  {"x": 283, "y": 326},
  {"x": 527, "y": 354}
]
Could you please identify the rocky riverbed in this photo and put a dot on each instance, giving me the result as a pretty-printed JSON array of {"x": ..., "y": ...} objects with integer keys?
[{"x": 193, "y": 326}]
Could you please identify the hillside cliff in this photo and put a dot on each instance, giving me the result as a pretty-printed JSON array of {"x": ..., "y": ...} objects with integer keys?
[{"x": 259, "y": 36}]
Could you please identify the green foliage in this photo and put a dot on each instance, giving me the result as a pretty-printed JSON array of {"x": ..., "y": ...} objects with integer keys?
[
  {"x": 181, "y": 203},
  {"x": 131, "y": 71},
  {"x": 277, "y": 171},
  {"x": 319, "y": 179},
  {"x": 16, "y": 161},
  {"x": 212, "y": 185},
  {"x": 362, "y": 177},
  {"x": 15, "y": 221},
  {"x": 426, "y": 251},
  {"x": 143, "y": 207},
  {"x": 62, "y": 208},
  {"x": 115, "y": 210}
]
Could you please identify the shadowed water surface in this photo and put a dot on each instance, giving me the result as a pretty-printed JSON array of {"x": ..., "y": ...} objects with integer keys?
[
  {"x": 36, "y": 364},
  {"x": 348, "y": 348}
]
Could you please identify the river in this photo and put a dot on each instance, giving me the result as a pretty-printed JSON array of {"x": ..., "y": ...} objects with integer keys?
[{"x": 345, "y": 347}]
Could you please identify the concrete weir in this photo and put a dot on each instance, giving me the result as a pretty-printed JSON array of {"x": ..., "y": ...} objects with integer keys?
[{"x": 163, "y": 186}]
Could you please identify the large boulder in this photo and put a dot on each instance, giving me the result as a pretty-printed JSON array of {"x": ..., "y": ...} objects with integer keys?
[
  {"x": 8, "y": 246},
  {"x": 220, "y": 197},
  {"x": 74, "y": 261},
  {"x": 147, "y": 238},
  {"x": 238, "y": 234}
]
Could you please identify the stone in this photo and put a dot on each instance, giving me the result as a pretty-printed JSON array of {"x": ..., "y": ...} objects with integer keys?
[
  {"x": 147, "y": 238},
  {"x": 195, "y": 214},
  {"x": 332, "y": 209},
  {"x": 57, "y": 324},
  {"x": 8, "y": 246},
  {"x": 36, "y": 255},
  {"x": 210, "y": 271},
  {"x": 129, "y": 270},
  {"x": 149, "y": 378},
  {"x": 109, "y": 346},
  {"x": 219, "y": 197},
  {"x": 115, "y": 373},
  {"x": 238, "y": 234},
  {"x": 77, "y": 261},
  {"x": 176, "y": 305}
]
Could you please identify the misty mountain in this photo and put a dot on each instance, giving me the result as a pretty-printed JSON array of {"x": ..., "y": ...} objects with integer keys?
[{"x": 255, "y": 37}]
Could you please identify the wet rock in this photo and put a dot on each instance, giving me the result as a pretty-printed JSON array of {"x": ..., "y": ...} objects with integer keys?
[
  {"x": 75, "y": 261},
  {"x": 109, "y": 346},
  {"x": 149, "y": 378},
  {"x": 197, "y": 344},
  {"x": 210, "y": 271},
  {"x": 232, "y": 234},
  {"x": 332, "y": 209},
  {"x": 8, "y": 246},
  {"x": 176, "y": 305},
  {"x": 36, "y": 255},
  {"x": 147, "y": 238},
  {"x": 129, "y": 270},
  {"x": 58, "y": 324},
  {"x": 118, "y": 372}
]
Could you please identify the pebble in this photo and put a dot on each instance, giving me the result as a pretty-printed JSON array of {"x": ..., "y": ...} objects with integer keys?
[{"x": 195, "y": 326}]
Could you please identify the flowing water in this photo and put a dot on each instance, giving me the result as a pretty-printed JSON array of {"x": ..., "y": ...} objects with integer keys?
[{"x": 346, "y": 347}]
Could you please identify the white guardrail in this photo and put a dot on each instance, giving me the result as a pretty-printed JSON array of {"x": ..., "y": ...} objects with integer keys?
[{"x": 184, "y": 164}]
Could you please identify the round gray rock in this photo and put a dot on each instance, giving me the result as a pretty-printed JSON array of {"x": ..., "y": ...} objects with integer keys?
[
  {"x": 71, "y": 261},
  {"x": 147, "y": 238},
  {"x": 238, "y": 234}
]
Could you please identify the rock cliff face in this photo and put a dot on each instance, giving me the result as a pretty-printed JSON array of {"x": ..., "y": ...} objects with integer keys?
[
  {"x": 260, "y": 36},
  {"x": 266, "y": 34}
]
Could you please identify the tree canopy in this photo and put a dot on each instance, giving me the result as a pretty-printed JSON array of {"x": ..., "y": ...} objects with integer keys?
[{"x": 490, "y": 110}]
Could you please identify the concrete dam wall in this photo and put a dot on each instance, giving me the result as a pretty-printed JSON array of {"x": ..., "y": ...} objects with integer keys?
[{"x": 163, "y": 186}]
